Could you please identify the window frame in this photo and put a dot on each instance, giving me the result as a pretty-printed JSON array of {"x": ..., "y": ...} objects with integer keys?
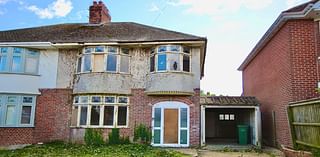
[
  {"x": 102, "y": 105},
  {"x": 155, "y": 52},
  {"x": 118, "y": 53},
  {"x": 8, "y": 67},
  {"x": 19, "y": 104}
]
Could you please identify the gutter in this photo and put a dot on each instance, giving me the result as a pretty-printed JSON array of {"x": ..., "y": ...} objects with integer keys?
[
  {"x": 36, "y": 44},
  {"x": 275, "y": 27}
]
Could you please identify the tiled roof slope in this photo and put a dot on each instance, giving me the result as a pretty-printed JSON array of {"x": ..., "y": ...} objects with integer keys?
[
  {"x": 83, "y": 32},
  {"x": 228, "y": 101},
  {"x": 300, "y": 7}
]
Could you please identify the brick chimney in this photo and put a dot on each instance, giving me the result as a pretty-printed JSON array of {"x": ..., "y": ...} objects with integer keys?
[{"x": 99, "y": 13}]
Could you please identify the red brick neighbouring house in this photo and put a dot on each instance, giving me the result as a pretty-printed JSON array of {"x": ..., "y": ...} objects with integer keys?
[
  {"x": 284, "y": 67},
  {"x": 58, "y": 80}
]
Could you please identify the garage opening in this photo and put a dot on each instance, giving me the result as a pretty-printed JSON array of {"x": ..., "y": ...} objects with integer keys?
[
  {"x": 222, "y": 125},
  {"x": 230, "y": 121}
]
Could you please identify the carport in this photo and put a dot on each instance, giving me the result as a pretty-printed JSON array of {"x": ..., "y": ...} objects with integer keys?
[{"x": 222, "y": 115}]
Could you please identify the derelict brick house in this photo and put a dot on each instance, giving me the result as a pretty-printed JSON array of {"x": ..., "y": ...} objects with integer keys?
[
  {"x": 283, "y": 68},
  {"x": 57, "y": 80}
]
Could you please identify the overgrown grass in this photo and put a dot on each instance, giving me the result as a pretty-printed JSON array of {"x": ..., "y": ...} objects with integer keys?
[{"x": 60, "y": 149}]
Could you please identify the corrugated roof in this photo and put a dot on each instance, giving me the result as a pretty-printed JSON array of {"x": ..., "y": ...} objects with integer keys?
[
  {"x": 229, "y": 101},
  {"x": 83, "y": 32}
]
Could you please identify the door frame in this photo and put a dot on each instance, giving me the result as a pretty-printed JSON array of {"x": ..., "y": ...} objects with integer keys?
[{"x": 170, "y": 105}]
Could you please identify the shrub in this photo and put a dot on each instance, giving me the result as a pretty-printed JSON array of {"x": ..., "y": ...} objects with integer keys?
[
  {"x": 93, "y": 137},
  {"x": 142, "y": 134},
  {"x": 114, "y": 136}
]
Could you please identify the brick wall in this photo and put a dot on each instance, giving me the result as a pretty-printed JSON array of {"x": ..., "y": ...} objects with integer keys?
[
  {"x": 51, "y": 120},
  {"x": 284, "y": 71},
  {"x": 140, "y": 112}
]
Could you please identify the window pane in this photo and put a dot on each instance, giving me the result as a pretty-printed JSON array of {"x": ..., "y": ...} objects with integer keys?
[
  {"x": 186, "y": 50},
  {"x": 79, "y": 64},
  {"x": 175, "y": 48},
  {"x": 183, "y": 137},
  {"x": 76, "y": 99},
  {"x": 4, "y": 50},
  {"x": 74, "y": 116},
  {"x": 12, "y": 99},
  {"x": 232, "y": 117},
  {"x": 100, "y": 49},
  {"x": 156, "y": 136},
  {"x": 17, "y": 51},
  {"x": 87, "y": 63},
  {"x": 109, "y": 99},
  {"x": 124, "y": 64},
  {"x": 152, "y": 51},
  {"x": 122, "y": 115},
  {"x": 152, "y": 62},
  {"x": 108, "y": 115},
  {"x": 112, "y": 49},
  {"x": 98, "y": 64},
  {"x": 95, "y": 115},
  {"x": 10, "y": 115},
  {"x": 83, "y": 115},
  {"x": 174, "y": 61},
  {"x": 88, "y": 50},
  {"x": 26, "y": 115},
  {"x": 123, "y": 100},
  {"x": 186, "y": 63},
  {"x": 27, "y": 99},
  {"x": 3, "y": 63},
  {"x": 112, "y": 63},
  {"x": 16, "y": 64},
  {"x": 162, "y": 49},
  {"x": 31, "y": 65},
  {"x": 226, "y": 117},
  {"x": 221, "y": 117},
  {"x": 183, "y": 118},
  {"x": 96, "y": 99},
  {"x": 157, "y": 117},
  {"x": 162, "y": 62},
  {"x": 125, "y": 51},
  {"x": 84, "y": 99}
]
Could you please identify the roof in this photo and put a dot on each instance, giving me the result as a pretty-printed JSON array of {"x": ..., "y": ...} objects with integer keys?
[
  {"x": 83, "y": 32},
  {"x": 298, "y": 12},
  {"x": 229, "y": 101}
]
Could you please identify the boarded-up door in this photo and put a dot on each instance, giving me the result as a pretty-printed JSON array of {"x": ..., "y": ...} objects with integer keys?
[{"x": 171, "y": 126}]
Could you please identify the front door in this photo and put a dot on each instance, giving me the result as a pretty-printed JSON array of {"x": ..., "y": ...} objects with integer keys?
[{"x": 171, "y": 126}]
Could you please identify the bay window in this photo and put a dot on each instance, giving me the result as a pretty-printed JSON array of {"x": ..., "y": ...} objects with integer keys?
[
  {"x": 19, "y": 60},
  {"x": 104, "y": 59},
  {"x": 17, "y": 110},
  {"x": 100, "y": 111},
  {"x": 170, "y": 58}
]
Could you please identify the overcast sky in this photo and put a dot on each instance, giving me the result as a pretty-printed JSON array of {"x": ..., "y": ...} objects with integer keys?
[{"x": 232, "y": 27}]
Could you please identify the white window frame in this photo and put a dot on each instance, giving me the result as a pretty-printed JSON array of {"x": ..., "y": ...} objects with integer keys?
[
  {"x": 102, "y": 105},
  {"x": 180, "y": 53},
  {"x": 24, "y": 56},
  {"x": 118, "y": 55},
  {"x": 18, "y": 110}
]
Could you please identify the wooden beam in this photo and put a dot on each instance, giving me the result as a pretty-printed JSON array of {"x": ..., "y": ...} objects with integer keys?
[{"x": 306, "y": 124}]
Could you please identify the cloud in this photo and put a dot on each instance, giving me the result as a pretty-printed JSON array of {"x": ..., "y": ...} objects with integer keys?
[
  {"x": 1, "y": 12},
  {"x": 154, "y": 8},
  {"x": 3, "y": 1},
  {"x": 292, "y": 3},
  {"x": 59, "y": 8},
  {"x": 213, "y": 7}
]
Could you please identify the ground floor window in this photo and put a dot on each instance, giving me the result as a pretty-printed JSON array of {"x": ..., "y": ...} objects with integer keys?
[
  {"x": 17, "y": 110},
  {"x": 100, "y": 111}
]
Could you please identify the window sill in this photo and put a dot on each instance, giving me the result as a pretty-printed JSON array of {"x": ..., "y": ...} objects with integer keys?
[
  {"x": 4, "y": 127},
  {"x": 173, "y": 72},
  {"x": 19, "y": 74},
  {"x": 98, "y": 127},
  {"x": 105, "y": 72}
]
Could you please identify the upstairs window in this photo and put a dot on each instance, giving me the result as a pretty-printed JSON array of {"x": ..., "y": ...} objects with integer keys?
[
  {"x": 19, "y": 60},
  {"x": 170, "y": 58},
  {"x": 104, "y": 59}
]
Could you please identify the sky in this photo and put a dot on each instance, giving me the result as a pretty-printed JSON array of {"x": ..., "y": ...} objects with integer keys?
[{"x": 232, "y": 27}]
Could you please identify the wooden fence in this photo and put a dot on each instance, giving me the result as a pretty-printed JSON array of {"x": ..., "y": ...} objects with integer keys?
[{"x": 304, "y": 119}]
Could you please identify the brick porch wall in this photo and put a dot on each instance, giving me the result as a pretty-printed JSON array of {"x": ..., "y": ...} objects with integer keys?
[
  {"x": 284, "y": 71},
  {"x": 140, "y": 112},
  {"x": 51, "y": 120}
]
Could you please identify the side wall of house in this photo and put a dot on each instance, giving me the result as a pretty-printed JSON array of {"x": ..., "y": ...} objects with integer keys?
[{"x": 284, "y": 71}]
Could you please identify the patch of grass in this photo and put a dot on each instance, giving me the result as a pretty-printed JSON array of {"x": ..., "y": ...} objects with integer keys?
[{"x": 64, "y": 149}]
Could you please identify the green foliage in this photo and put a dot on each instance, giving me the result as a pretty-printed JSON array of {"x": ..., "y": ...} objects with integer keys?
[
  {"x": 142, "y": 134},
  {"x": 114, "y": 138},
  {"x": 93, "y": 137},
  {"x": 66, "y": 149}
]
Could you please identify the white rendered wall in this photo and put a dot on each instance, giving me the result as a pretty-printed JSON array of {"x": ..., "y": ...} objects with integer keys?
[{"x": 30, "y": 84}]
